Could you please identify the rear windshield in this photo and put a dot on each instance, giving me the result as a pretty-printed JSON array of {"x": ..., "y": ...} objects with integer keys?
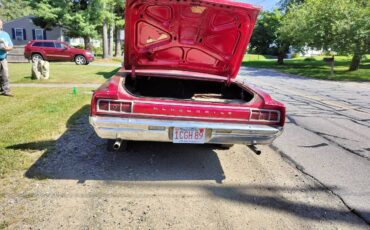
[{"x": 44, "y": 44}]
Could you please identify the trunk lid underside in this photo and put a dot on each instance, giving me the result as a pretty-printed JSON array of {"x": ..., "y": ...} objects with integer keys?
[{"x": 199, "y": 36}]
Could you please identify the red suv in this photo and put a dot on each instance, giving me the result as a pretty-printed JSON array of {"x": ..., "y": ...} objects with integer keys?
[{"x": 56, "y": 51}]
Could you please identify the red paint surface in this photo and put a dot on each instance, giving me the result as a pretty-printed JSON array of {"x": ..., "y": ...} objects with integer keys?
[
  {"x": 209, "y": 36},
  {"x": 55, "y": 54}
]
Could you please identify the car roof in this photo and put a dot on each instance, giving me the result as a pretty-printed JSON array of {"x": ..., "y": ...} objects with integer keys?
[{"x": 46, "y": 41}]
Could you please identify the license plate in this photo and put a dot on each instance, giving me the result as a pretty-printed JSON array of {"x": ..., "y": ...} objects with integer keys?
[{"x": 189, "y": 136}]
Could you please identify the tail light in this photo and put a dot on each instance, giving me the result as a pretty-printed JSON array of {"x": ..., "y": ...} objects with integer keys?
[
  {"x": 110, "y": 106},
  {"x": 265, "y": 115}
]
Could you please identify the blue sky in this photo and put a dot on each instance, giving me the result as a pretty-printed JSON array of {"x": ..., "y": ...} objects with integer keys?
[{"x": 267, "y": 4}]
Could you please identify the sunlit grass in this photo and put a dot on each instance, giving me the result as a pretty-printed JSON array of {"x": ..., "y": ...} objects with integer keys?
[
  {"x": 315, "y": 67},
  {"x": 63, "y": 73},
  {"x": 33, "y": 115}
]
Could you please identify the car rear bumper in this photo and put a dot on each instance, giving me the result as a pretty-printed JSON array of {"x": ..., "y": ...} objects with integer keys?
[{"x": 162, "y": 130}]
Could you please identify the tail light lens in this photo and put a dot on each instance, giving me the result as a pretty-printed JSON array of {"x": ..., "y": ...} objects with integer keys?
[
  {"x": 115, "y": 106},
  {"x": 265, "y": 115},
  {"x": 110, "y": 106}
]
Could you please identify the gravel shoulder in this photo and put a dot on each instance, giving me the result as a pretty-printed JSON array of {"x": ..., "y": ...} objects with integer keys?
[{"x": 78, "y": 185}]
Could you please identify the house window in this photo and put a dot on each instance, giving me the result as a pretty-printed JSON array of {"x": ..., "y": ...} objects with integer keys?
[
  {"x": 19, "y": 34},
  {"x": 39, "y": 34}
]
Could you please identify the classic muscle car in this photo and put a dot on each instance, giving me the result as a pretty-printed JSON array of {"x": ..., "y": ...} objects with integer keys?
[{"x": 179, "y": 81}]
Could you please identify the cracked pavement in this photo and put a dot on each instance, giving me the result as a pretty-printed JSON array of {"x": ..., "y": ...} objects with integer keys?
[{"x": 327, "y": 133}]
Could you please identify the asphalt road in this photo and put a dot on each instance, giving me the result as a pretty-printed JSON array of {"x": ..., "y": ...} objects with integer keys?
[{"x": 327, "y": 134}]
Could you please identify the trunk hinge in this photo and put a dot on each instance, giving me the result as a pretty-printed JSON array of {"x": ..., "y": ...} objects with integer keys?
[
  {"x": 133, "y": 72},
  {"x": 133, "y": 68},
  {"x": 228, "y": 81}
]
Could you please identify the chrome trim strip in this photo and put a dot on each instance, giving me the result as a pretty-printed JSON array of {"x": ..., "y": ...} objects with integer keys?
[
  {"x": 187, "y": 117},
  {"x": 177, "y": 104},
  {"x": 162, "y": 115},
  {"x": 218, "y": 133}
]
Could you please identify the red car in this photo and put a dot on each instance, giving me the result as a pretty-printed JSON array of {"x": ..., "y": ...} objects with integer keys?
[
  {"x": 50, "y": 50},
  {"x": 179, "y": 82}
]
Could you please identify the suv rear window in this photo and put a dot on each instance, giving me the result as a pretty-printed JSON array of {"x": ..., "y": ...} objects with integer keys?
[
  {"x": 37, "y": 44},
  {"x": 44, "y": 44}
]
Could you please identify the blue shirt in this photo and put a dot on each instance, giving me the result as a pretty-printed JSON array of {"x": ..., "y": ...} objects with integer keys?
[{"x": 4, "y": 37}]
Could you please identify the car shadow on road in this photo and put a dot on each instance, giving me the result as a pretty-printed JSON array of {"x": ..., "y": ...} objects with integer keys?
[
  {"x": 80, "y": 155},
  {"x": 268, "y": 197}
]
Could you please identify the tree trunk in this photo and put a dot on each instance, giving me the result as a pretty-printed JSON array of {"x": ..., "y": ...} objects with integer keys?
[
  {"x": 118, "y": 52},
  {"x": 280, "y": 59},
  {"x": 88, "y": 45},
  {"x": 111, "y": 40},
  {"x": 356, "y": 60},
  {"x": 105, "y": 40}
]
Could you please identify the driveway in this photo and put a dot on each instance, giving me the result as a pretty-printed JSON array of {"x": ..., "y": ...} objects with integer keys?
[{"x": 328, "y": 132}]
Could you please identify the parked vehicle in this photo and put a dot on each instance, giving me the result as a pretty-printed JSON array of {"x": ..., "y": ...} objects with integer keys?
[
  {"x": 50, "y": 50},
  {"x": 179, "y": 82}
]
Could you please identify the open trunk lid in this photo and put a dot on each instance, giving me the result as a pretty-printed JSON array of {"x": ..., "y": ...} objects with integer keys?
[{"x": 208, "y": 36}]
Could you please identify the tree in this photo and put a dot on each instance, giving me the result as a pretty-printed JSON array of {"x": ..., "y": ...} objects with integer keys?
[
  {"x": 264, "y": 33},
  {"x": 285, "y": 4},
  {"x": 79, "y": 17},
  {"x": 108, "y": 23},
  {"x": 119, "y": 22},
  {"x": 333, "y": 25},
  {"x": 82, "y": 18},
  {"x": 12, "y": 9},
  {"x": 266, "y": 38}
]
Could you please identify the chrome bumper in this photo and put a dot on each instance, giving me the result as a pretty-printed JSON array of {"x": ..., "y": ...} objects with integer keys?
[{"x": 162, "y": 130}]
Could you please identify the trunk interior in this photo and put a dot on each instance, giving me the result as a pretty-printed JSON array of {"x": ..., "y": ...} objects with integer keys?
[{"x": 195, "y": 90}]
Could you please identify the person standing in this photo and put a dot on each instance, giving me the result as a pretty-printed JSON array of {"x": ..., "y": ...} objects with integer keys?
[{"x": 6, "y": 45}]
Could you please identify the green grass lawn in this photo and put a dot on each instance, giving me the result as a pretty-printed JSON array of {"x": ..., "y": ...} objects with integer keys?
[
  {"x": 115, "y": 60},
  {"x": 35, "y": 115},
  {"x": 313, "y": 67},
  {"x": 63, "y": 73}
]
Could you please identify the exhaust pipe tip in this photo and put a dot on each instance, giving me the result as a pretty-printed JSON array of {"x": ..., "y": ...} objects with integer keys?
[
  {"x": 255, "y": 149},
  {"x": 117, "y": 145}
]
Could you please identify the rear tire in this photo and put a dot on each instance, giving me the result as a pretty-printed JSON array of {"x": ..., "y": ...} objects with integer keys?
[
  {"x": 80, "y": 60},
  {"x": 37, "y": 57}
]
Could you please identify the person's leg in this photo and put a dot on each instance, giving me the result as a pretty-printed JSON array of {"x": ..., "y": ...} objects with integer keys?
[
  {"x": 1, "y": 78},
  {"x": 5, "y": 77}
]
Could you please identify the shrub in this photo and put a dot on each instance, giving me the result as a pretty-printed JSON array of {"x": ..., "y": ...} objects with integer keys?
[
  {"x": 309, "y": 59},
  {"x": 295, "y": 55}
]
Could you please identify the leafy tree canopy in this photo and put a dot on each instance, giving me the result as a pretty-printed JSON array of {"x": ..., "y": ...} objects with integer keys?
[
  {"x": 285, "y": 4},
  {"x": 12, "y": 9},
  {"x": 338, "y": 25},
  {"x": 82, "y": 18},
  {"x": 265, "y": 32},
  {"x": 266, "y": 38}
]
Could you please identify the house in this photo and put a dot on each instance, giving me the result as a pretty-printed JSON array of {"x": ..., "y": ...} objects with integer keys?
[{"x": 23, "y": 30}]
